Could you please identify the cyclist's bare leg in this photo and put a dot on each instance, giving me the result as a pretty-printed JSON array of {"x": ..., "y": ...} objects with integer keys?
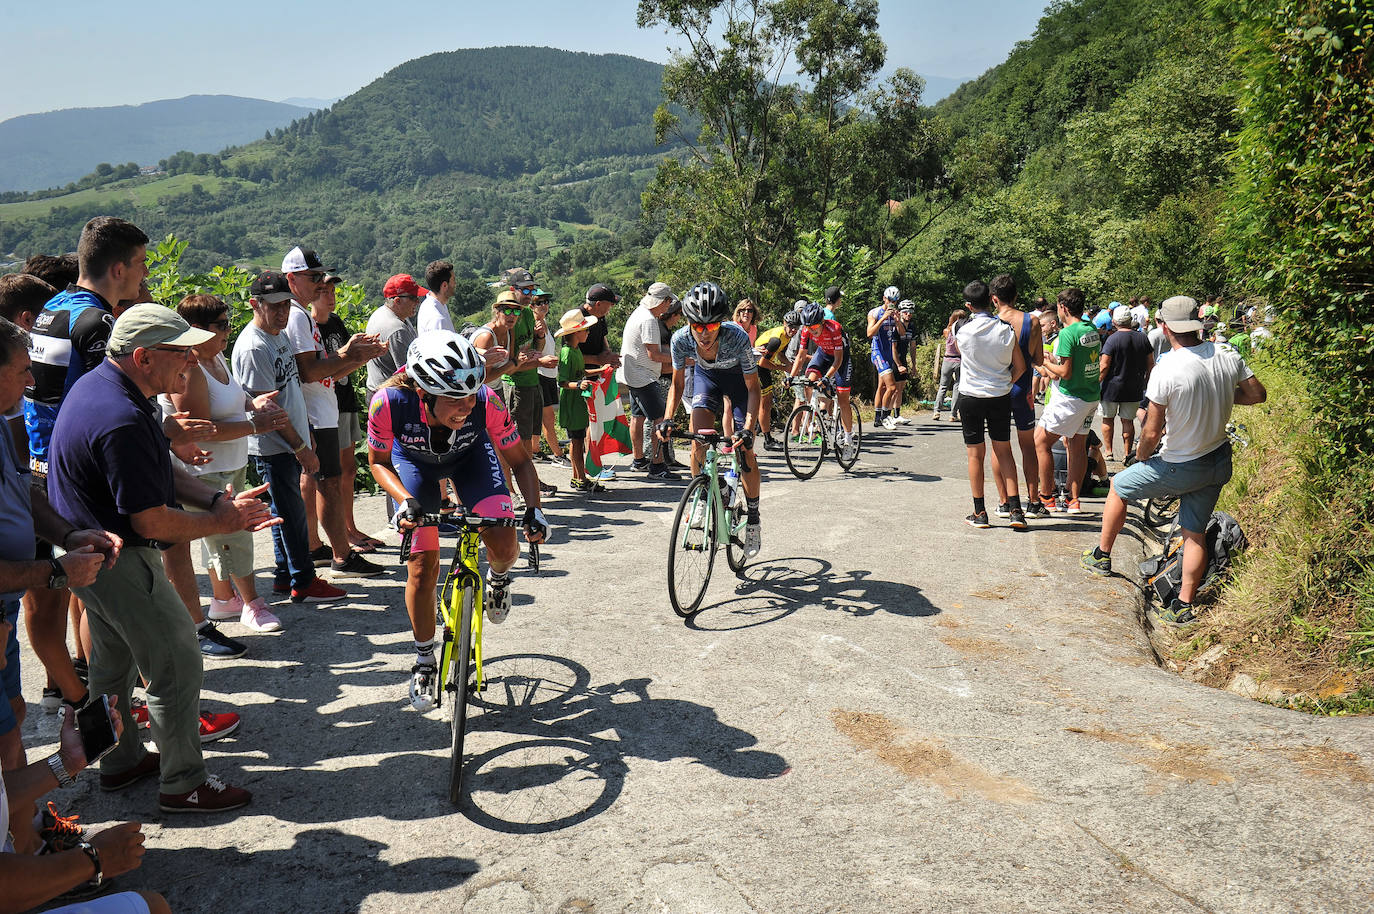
[
  {"x": 750, "y": 477},
  {"x": 1077, "y": 447},
  {"x": 503, "y": 547},
  {"x": 977, "y": 454},
  {"x": 422, "y": 576},
  {"x": 1044, "y": 455},
  {"x": 703, "y": 420},
  {"x": 846, "y": 412},
  {"x": 1004, "y": 468}
]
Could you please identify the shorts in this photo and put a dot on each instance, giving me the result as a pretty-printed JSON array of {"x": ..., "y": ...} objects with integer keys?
[
  {"x": 526, "y": 405},
  {"x": 9, "y": 676},
  {"x": 1197, "y": 483},
  {"x": 712, "y": 387},
  {"x": 229, "y": 554},
  {"x": 123, "y": 903},
  {"x": 647, "y": 402},
  {"x": 821, "y": 362},
  {"x": 990, "y": 413},
  {"x": 548, "y": 391},
  {"x": 1067, "y": 416},
  {"x": 350, "y": 431},
  {"x": 327, "y": 450},
  {"x": 881, "y": 361},
  {"x": 1126, "y": 410},
  {"x": 577, "y": 434},
  {"x": 1022, "y": 410},
  {"x": 477, "y": 478},
  {"x": 901, "y": 347},
  {"x": 765, "y": 379}
]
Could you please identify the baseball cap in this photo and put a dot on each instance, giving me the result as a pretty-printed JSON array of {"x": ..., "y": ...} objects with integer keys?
[
  {"x": 401, "y": 284},
  {"x": 599, "y": 292},
  {"x": 1121, "y": 314},
  {"x": 299, "y": 260},
  {"x": 1180, "y": 314},
  {"x": 517, "y": 276},
  {"x": 270, "y": 288},
  {"x": 833, "y": 294},
  {"x": 150, "y": 325},
  {"x": 660, "y": 291},
  {"x": 332, "y": 279}
]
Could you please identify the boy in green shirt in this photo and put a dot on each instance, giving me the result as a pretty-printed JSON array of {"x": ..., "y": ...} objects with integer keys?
[
  {"x": 1073, "y": 367},
  {"x": 572, "y": 405}
]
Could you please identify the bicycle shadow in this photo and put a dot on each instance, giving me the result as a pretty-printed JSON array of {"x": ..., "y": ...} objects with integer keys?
[
  {"x": 565, "y": 769},
  {"x": 326, "y": 870},
  {"x": 789, "y": 584}
]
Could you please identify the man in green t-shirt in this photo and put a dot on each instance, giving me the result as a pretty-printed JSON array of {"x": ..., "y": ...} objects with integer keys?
[
  {"x": 1073, "y": 366},
  {"x": 523, "y": 396}
]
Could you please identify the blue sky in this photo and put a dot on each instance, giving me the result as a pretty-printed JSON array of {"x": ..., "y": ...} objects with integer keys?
[{"x": 90, "y": 53}]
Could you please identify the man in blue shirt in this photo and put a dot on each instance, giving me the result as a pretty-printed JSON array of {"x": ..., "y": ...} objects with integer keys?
[{"x": 110, "y": 469}]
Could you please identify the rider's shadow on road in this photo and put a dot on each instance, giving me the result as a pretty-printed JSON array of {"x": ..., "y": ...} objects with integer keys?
[
  {"x": 326, "y": 871},
  {"x": 776, "y": 588}
]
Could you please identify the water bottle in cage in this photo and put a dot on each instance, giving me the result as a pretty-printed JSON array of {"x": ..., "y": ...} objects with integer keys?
[{"x": 731, "y": 487}]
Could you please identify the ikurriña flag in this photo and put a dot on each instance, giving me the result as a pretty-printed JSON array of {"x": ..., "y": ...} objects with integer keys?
[{"x": 609, "y": 430}]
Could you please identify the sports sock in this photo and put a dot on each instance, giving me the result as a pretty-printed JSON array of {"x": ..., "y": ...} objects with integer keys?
[
  {"x": 980, "y": 506},
  {"x": 752, "y": 507},
  {"x": 1014, "y": 502},
  {"x": 424, "y": 652},
  {"x": 1099, "y": 554}
]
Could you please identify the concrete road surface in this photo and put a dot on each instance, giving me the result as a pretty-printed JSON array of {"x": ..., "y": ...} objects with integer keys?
[{"x": 890, "y": 711}]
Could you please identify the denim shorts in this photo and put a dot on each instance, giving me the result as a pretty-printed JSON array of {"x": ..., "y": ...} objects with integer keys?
[
  {"x": 1197, "y": 482},
  {"x": 9, "y": 677}
]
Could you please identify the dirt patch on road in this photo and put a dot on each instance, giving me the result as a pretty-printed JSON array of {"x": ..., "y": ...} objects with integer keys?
[
  {"x": 1327, "y": 762},
  {"x": 927, "y": 759},
  {"x": 1186, "y": 761},
  {"x": 979, "y": 648}
]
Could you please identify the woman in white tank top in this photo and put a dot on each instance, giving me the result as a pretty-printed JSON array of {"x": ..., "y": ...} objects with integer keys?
[{"x": 213, "y": 393}]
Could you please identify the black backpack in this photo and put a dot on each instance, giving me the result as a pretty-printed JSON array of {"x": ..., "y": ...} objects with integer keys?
[{"x": 1225, "y": 542}]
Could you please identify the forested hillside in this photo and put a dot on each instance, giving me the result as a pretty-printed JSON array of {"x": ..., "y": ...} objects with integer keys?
[
  {"x": 55, "y": 147},
  {"x": 488, "y": 157}
]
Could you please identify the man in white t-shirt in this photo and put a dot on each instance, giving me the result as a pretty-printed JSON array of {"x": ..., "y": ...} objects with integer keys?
[
  {"x": 991, "y": 362},
  {"x": 433, "y": 313},
  {"x": 1191, "y": 393},
  {"x": 318, "y": 369},
  {"x": 1140, "y": 314},
  {"x": 641, "y": 360}
]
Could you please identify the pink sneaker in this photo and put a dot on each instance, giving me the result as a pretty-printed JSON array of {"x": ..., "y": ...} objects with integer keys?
[
  {"x": 259, "y": 618},
  {"x": 225, "y": 610}
]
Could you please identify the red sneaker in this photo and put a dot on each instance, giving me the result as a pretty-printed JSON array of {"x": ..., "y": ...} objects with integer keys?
[
  {"x": 217, "y": 726},
  {"x": 212, "y": 796},
  {"x": 138, "y": 708},
  {"x": 319, "y": 591}
]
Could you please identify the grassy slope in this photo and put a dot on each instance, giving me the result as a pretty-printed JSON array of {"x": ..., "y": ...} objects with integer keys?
[{"x": 142, "y": 191}]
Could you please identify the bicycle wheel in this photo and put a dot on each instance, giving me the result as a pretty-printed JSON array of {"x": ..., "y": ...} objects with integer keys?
[
  {"x": 692, "y": 551},
  {"x": 460, "y": 671},
  {"x": 804, "y": 445},
  {"x": 734, "y": 536},
  {"x": 1161, "y": 511},
  {"x": 848, "y": 455}
]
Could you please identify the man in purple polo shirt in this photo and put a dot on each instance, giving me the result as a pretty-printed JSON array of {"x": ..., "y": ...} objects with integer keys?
[{"x": 110, "y": 469}]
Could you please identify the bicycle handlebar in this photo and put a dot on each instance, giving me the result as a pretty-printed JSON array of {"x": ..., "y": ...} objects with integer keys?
[{"x": 473, "y": 521}]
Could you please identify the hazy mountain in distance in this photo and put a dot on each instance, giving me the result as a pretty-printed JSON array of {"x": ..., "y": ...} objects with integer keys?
[
  {"x": 937, "y": 87},
  {"x": 313, "y": 103},
  {"x": 38, "y": 151}
]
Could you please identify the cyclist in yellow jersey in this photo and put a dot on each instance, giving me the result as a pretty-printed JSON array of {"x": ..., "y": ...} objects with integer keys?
[{"x": 771, "y": 350}]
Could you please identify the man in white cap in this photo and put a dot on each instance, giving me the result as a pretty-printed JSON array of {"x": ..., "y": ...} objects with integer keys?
[
  {"x": 111, "y": 470},
  {"x": 1191, "y": 394},
  {"x": 642, "y": 358},
  {"x": 1123, "y": 368}
]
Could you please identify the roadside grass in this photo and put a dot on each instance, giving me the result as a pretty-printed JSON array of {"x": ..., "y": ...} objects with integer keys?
[
  {"x": 1299, "y": 612},
  {"x": 139, "y": 191}
]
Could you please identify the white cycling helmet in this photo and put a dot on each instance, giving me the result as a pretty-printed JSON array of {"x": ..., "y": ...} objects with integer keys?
[
  {"x": 445, "y": 364},
  {"x": 891, "y": 293}
]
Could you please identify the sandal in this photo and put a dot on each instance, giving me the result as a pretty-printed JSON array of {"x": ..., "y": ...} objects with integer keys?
[{"x": 368, "y": 544}]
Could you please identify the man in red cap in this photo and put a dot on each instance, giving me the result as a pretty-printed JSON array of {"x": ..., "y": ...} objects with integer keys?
[{"x": 391, "y": 323}]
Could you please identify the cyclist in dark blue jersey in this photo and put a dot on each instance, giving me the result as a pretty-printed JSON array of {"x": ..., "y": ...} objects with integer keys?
[{"x": 436, "y": 420}]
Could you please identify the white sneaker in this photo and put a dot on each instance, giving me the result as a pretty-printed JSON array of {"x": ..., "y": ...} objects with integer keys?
[
  {"x": 225, "y": 610},
  {"x": 259, "y": 618},
  {"x": 422, "y": 680},
  {"x": 753, "y": 540},
  {"x": 889, "y": 423},
  {"x": 901, "y": 420},
  {"x": 498, "y": 598}
]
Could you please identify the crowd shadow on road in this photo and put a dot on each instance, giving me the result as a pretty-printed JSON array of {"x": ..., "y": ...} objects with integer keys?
[
  {"x": 773, "y": 589},
  {"x": 326, "y": 870}
]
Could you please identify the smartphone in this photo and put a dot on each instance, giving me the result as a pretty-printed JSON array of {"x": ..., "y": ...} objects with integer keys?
[{"x": 97, "y": 731}]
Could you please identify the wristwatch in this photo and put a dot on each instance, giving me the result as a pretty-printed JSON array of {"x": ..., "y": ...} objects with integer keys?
[
  {"x": 59, "y": 771},
  {"x": 89, "y": 850},
  {"x": 58, "y": 579}
]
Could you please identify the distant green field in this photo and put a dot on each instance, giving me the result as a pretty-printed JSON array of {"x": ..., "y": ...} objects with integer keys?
[{"x": 142, "y": 193}]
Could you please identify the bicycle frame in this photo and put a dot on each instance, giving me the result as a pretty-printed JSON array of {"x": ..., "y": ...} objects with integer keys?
[
  {"x": 711, "y": 468},
  {"x": 464, "y": 572}
]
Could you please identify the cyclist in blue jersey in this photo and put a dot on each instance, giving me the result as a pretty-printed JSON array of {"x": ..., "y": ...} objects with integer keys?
[
  {"x": 436, "y": 420},
  {"x": 884, "y": 326},
  {"x": 903, "y": 346},
  {"x": 721, "y": 359}
]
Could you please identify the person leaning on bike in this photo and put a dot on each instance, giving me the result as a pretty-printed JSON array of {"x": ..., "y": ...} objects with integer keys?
[
  {"x": 437, "y": 420},
  {"x": 721, "y": 358}
]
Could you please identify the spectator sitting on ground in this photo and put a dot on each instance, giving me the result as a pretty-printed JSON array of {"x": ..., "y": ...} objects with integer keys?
[
  {"x": 110, "y": 469},
  {"x": 30, "y": 880},
  {"x": 1191, "y": 393}
]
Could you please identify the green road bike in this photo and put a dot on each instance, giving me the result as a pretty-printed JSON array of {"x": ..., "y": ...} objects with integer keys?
[
  {"x": 712, "y": 511},
  {"x": 460, "y": 599},
  {"x": 812, "y": 432}
]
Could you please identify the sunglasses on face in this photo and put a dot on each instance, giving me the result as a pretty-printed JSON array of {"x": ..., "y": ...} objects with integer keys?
[
  {"x": 510, "y": 312},
  {"x": 311, "y": 277},
  {"x": 745, "y": 311},
  {"x": 706, "y": 328},
  {"x": 221, "y": 324}
]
